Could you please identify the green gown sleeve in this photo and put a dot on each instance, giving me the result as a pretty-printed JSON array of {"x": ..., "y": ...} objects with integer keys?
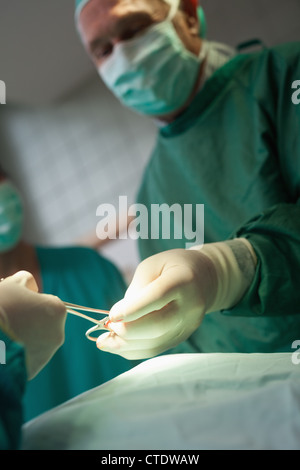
[
  {"x": 275, "y": 237},
  {"x": 275, "y": 232},
  {"x": 13, "y": 378}
]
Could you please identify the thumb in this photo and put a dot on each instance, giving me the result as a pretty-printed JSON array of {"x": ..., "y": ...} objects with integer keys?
[
  {"x": 142, "y": 277},
  {"x": 154, "y": 296},
  {"x": 146, "y": 272},
  {"x": 25, "y": 279}
]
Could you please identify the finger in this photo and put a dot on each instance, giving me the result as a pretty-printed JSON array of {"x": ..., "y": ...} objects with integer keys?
[
  {"x": 152, "y": 297},
  {"x": 47, "y": 305},
  {"x": 55, "y": 305},
  {"x": 152, "y": 325},
  {"x": 110, "y": 342}
]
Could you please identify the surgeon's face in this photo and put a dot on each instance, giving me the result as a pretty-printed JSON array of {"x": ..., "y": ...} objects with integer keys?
[{"x": 103, "y": 23}]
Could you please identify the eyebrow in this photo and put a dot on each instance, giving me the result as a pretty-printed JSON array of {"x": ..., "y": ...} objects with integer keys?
[{"x": 120, "y": 25}]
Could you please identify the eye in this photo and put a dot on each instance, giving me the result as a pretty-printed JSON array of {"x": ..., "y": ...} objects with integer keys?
[{"x": 101, "y": 52}]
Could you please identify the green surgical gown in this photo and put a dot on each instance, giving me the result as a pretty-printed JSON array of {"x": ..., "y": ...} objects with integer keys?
[
  {"x": 80, "y": 276},
  {"x": 236, "y": 150}
]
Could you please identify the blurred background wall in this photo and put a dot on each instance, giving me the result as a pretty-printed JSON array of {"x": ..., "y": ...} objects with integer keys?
[{"x": 64, "y": 139}]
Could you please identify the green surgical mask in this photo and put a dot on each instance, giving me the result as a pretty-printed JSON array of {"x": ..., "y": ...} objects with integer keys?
[
  {"x": 154, "y": 73},
  {"x": 11, "y": 216}
]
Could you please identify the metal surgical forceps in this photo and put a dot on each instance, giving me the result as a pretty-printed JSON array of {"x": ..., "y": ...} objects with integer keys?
[{"x": 99, "y": 324}]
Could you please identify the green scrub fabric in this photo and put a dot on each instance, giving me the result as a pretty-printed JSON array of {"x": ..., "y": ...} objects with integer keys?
[
  {"x": 80, "y": 276},
  {"x": 13, "y": 379},
  {"x": 236, "y": 150}
]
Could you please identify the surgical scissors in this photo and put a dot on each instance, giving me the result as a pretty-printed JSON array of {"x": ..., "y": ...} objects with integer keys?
[{"x": 100, "y": 324}]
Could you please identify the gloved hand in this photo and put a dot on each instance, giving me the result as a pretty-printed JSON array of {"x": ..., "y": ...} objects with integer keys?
[
  {"x": 35, "y": 320},
  {"x": 172, "y": 291}
]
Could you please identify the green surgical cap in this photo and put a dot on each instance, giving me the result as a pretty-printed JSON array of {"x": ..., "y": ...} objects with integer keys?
[{"x": 79, "y": 4}]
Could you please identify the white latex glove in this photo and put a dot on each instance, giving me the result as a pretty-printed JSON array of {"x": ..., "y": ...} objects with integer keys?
[
  {"x": 171, "y": 292},
  {"x": 35, "y": 320}
]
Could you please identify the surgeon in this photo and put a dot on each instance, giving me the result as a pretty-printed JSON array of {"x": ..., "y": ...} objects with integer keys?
[{"x": 228, "y": 137}]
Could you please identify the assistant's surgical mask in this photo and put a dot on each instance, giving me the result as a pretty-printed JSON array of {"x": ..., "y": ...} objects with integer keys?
[
  {"x": 11, "y": 216},
  {"x": 154, "y": 73}
]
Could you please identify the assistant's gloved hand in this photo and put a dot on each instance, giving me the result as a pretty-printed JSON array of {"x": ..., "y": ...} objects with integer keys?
[
  {"x": 172, "y": 291},
  {"x": 35, "y": 320}
]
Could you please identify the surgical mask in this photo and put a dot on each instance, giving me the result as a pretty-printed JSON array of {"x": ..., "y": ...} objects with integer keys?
[
  {"x": 216, "y": 55},
  {"x": 11, "y": 216},
  {"x": 154, "y": 73}
]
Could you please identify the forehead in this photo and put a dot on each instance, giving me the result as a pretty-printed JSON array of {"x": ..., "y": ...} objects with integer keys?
[{"x": 100, "y": 16}]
